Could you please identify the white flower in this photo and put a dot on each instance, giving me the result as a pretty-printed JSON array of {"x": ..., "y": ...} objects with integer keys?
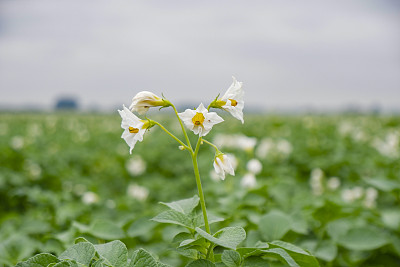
[
  {"x": 254, "y": 166},
  {"x": 138, "y": 192},
  {"x": 249, "y": 181},
  {"x": 136, "y": 166},
  {"x": 133, "y": 126},
  {"x": 90, "y": 198},
  {"x": 232, "y": 100},
  {"x": 223, "y": 164},
  {"x": 200, "y": 121},
  {"x": 144, "y": 100},
  {"x": 333, "y": 183}
]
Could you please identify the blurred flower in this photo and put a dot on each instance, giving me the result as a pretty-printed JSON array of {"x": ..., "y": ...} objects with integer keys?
[
  {"x": 34, "y": 130},
  {"x": 144, "y": 100},
  {"x": 138, "y": 192},
  {"x": 33, "y": 169},
  {"x": 235, "y": 141},
  {"x": 347, "y": 195},
  {"x": 90, "y": 198},
  {"x": 316, "y": 178},
  {"x": 254, "y": 166},
  {"x": 232, "y": 100},
  {"x": 333, "y": 183},
  {"x": 389, "y": 146},
  {"x": 17, "y": 142},
  {"x": 284, "y": 147},
  {"x": 233, "y": 160},
  {"x": 134, "y": 127},
  {"x": 248, "y": 181},
  {"x": 135, "y": 165},
  {"x": 264, "y": 147},
  {"x": 352, "y": 194},
  {"x": 223, "y": 164},
  {"x": 358, "y": 192},
  {"x": 110, "y": 204},
  {"x": 200, "y": 121},
  {"x": 371, "y": 194}
]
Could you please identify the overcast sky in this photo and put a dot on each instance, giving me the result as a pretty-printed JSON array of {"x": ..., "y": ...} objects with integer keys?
[{"x": 289, "y": 54}]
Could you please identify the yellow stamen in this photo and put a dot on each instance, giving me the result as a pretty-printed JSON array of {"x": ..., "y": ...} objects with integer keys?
[
  {"x": 133, "y": 130},
  {"x": 233, "y": 102},
  {"x": 198, "y": 119}
]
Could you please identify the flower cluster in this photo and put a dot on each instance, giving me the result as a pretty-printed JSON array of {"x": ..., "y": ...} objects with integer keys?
[{"x": 200, "y": 121}]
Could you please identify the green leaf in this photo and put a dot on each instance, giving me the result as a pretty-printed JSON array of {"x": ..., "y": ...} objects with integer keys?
[
  {"x": 141, "y": 227},
  {"x": 82, "y": 252},
  {"x": 199, "y": 219},
  {"x": 185, "y": 206},
  {"x": 40, "y": 260},
  {"x": 282, "y": 255},
  {"x": 301, "y": 257},
  {"x": 363, "y": 238},
  {"x": 80, "y": 240},
  {"x": 274, "y": 225},
  {"x": 201, "y": 263},
  {"x": 142, "y": 258},
  {"x": 114, "y": 253},
  {"x": 67, "y": 263},
  {"x": 174, "y": 217},
  {"x": 255, "y": 262},
  {"x": 106, "y": 230},
  {"x": 229, "y": 237},
  {"x": 231, "y": 258},
  {"x": 383, "y": 184},
  {"x": 326, "y": 250}
]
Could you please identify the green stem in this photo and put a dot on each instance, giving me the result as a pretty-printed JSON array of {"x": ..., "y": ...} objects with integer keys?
[
  {"x": 211, "y": 144},
  {"x": 173, "y": 136},
  {"x": 199, "y": 187},
  {"x": 183, "y": 128}
]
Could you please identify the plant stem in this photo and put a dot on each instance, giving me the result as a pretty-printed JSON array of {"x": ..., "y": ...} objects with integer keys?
[
  {"x": 211, "y": 144},
  {"x": 173, "y": 136},
  {"x": 183, "y": 128},
  {"x": 199, "y": 187}
]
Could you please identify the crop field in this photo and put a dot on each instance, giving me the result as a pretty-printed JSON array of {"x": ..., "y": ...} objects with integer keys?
[{"x": 329, "y": 184}]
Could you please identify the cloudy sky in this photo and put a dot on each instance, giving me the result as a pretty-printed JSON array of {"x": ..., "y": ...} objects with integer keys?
[{"x": 289, "y": 54}]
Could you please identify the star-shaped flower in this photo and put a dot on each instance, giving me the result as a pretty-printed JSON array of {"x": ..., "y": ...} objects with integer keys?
[
  {"x": 200, "y": 121},
  {"x": 232, "y": 100},
  {"x": 134, "y": 128},
  {"x": 223, "y": 164}
]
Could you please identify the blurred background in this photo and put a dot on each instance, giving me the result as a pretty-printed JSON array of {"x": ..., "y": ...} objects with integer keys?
[
  {"x": 318, "y": 153},
  {"x": 318, "y": 55}
]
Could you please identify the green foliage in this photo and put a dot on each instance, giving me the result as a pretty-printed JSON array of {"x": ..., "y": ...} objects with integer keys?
[{"x": 50, "y": 162}]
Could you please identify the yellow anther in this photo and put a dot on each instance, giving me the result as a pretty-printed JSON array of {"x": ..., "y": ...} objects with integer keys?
[
  {"x": 198, "y": 119},
  {"x": 133, "y": 130},
  {"x": 233, "y": 102}
]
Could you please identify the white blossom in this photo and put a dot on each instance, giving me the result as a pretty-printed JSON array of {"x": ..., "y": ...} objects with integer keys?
[
  {"x": 316, "y": 178},
  {"x": 200, "y": 121},
  {"x": 232, "y": 100},
  {"x": 371, "y": 194},
  {"x": 254, "y": 166},
  {"x": 144, "y": 100},
  {"x": 90, "y": 198},
  {"x": 248, "y": 181},
  {"x": 138, "y": 192},
  {"x": 134, "y": 128},
  {"x": 333, "y": 183},
  {"x": 223, "y": 164},
  {"x": 136, "y": 166}
]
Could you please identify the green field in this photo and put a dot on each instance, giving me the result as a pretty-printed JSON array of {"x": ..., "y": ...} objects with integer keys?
[{"x": 329, "y": 184}]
